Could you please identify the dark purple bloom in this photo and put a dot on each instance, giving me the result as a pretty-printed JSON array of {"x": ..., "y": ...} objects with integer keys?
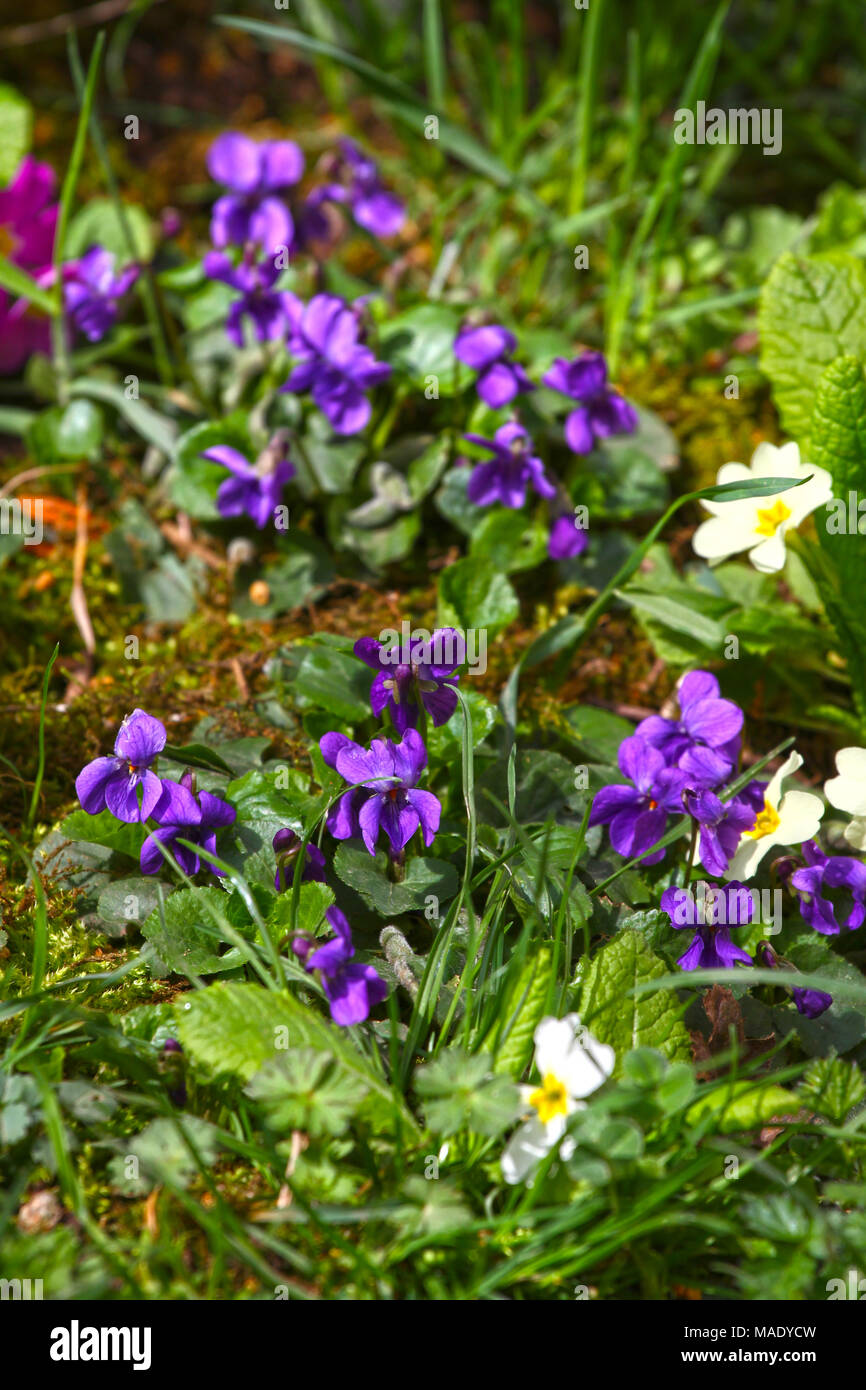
[
  {"x": 114, "y": 782},
  {"x": 638, "y": 815},
  {"x": 255, "y": 174},
  {"x": 513, "y": 468},
  {"x": 352, "y": 989},
  {"x": 705, "y": 740},
  {"x": 567, "y": 540},
  {"x": 384, "y": 793},
  {"x": 268, "y": 309},
  {"x": 362, "y": 190},
  {"x": 825, "y": 874},
  {"x": 601, "y": 412},
  {"x": 181, "y": 815},
  {"x": 332, "y": 362},
  {"x": 485, "y": 350},
  {"x": 92, "y": 291},
  {"x": 721, "y": 825},
  {"x": 712, "y": 912},
  {"x": 811, "y": 1003},
  {"x": 254, "y": 489},
  {"x": 414, "y": 674},
  {"x": 287, "y": 846}
]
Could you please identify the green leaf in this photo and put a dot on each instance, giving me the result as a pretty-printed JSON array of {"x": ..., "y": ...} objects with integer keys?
[
  {"x": 460, "y": 1092},
  {"x": 193, "y": 480},
  {"x": 183, "y": 936},
  {"x": 839, "y": 445},
  {"x": 153, "y": 428},
  {"x": 811, "y": 312},
  {"x": 368, "y": 876},
  {"x": 306, "y": 1090},
  {"x": 476, "y": 594},
  {"x": 743, "y": 1105},
  {"x": 419, "y": 343},
  {"x": 432, "y": 1208},
  {"x": 197, "y": 755},
  {"x": 607, "y": 1010},
  {"x": 130, "y": 901},
  {"x": 521, "y": 1012},
  {"x": 832, "y": 1087},
  {"x": 300, "y": 576},
  {"x": 16, "y": 130},
  {"x": 19, "y": 284},
  {"x": 334, "y": 681},
  {"x": 98, "y": 223},
  {"x": 104, "y": 829},
  {"x": 73, "y": 432},
  {"x": 509, "y": 541},
  {"x": 163, "y": 1157},
  {"x": 234, "y": 1029}
]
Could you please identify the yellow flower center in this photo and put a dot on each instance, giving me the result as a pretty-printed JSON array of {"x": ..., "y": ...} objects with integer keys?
[
  {"x": 766, "y": 822},
  {"x": 771, "y": 518},
  {"x": 550, "y": 1099}
]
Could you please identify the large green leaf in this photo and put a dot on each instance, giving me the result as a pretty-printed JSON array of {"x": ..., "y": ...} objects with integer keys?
[
  {"x": 476, "y": 594},
  {"x": 624, "y": 1022},
  {"x": 521, "y": 1012},
  {"x": 183, "y": 935},
  {"x": 368, "y": 876},
  {"x": 16, "y": 126},
  {"x": 839, "y": 445},
  {"x": 234, "y": 1029},
  {"x": 812, "y": 310}
]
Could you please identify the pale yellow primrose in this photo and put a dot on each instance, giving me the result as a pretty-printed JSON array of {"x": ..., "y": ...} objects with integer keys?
[{"x": 759, "y": 524}]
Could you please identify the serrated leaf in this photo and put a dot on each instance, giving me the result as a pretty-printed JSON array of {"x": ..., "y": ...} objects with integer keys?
[
  {"x": 521, "y": 1012},
  {"x": 183, "y": 935},
  {"x": 811, "y": 311},
  {"x": 460, "y": 1092},
  {"x": 832, "y": 1087},
  {"x": 306, "y": 1090},
  {"x": 234, "y": 1029},
  {"x": 607, "y": 1009}
]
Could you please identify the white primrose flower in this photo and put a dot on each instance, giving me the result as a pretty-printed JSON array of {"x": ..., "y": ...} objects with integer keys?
[
  {"x": 847, "y": 792},
  {"x": 759, "y": 524},
  {"x": 788, "y": 818},
  {"x": 572, "y": 1064}
]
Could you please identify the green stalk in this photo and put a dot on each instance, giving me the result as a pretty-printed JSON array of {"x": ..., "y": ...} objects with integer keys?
[{"x": 67, "y": 195}]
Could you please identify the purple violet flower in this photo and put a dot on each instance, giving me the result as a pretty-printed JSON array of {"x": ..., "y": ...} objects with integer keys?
[
  {"x": 422, "y": 675},
  {"x": 811, "y": 1003},
  {"x": 485, "y": 349},
  {"x": 92, "y": 291},
  {"x": 352, "y": 989},
  {"x": 332, "y": 362},
  {"x": 513, "y": 468},
  {"x": 267, "y": 308},
  {"x": 113, "y": 782},
  {"x": 712, "y": 912},
  {"x": 721, "y": 825},
  {"x": 567, "y": 540},
  {"x": 638, "y": 815},
  {"x": 384, "y": 794},
  {"x": 254, "y": 489},
  {"x": 287, "y": 846},
  {"x": 601, "y": 412},
  {"x": 255, "y": 174},
  {"x": 705, "y": 740},
  {"x": 372, "y": 205},
  {"x": 830, "y": 872},
  {"x": 180, "y": 814}
]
